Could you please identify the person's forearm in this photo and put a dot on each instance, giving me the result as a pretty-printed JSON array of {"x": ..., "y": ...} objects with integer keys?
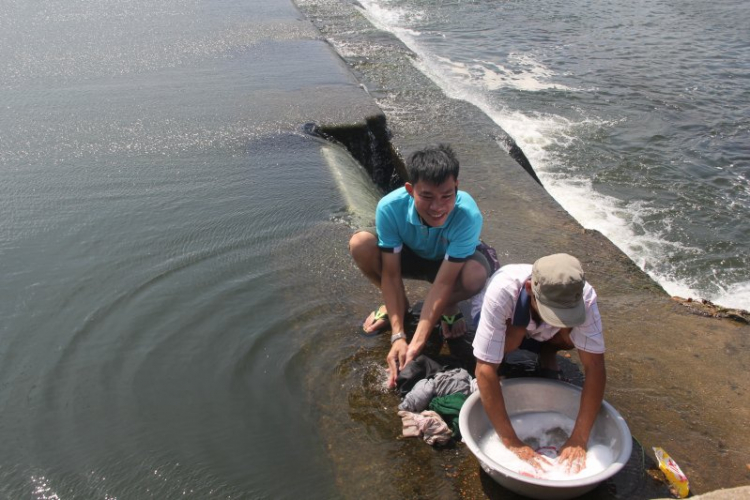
[
  {"x": 394, "y": 296},
  {"x": 433, "y": 307},
  {"x": 494, "y": 405},
  {"x": 591, "y": 399}
]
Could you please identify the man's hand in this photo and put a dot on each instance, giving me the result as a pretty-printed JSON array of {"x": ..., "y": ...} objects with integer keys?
[
  {"x": 396, "y": 360},
  {"x": 573, "y": 453},
  {"x": 573, "y": 456},
  {"x": 494, "y": 405},
  {"x": 525, "y": 453},
  {"x": 411, "y": 352}
]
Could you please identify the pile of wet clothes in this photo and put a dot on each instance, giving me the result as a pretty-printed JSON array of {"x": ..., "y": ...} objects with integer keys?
[
  {"x": 433, "y": 392},
  {"x": 434, "y": 386}
]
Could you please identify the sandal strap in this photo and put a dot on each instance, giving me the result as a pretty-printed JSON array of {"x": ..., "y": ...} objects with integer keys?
[
  {"x": 452, "y": 319},
  {"x": 380, "y": 313}
]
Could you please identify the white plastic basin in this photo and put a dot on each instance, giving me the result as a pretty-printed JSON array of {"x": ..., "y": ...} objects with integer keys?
[{"x": 534, "y": 395}]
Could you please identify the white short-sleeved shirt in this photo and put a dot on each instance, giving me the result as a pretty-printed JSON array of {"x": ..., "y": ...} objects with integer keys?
[{"x": 497, "y": 303}]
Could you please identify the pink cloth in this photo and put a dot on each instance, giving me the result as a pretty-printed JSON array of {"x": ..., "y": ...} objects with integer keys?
[{"x": 428, "y": 424}]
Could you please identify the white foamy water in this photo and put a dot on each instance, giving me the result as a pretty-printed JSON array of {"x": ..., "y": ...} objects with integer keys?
[
  {"x": 736, "y": 295},
  {"x": 546, "y": 433},
  {"x": 622, "y": 222},
  {"x": 457, "y": 78}
]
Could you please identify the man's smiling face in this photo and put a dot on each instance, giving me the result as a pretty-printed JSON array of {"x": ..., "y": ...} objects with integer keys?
[{"x": 434, "y": 202}]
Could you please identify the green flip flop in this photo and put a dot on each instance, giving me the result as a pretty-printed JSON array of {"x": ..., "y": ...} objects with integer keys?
[
  {"x": 451, "y": 320},
  {"x": 378, "y": 316}
]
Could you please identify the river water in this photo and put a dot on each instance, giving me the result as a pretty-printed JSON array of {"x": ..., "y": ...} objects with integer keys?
[{"x": 153, "y": 225}]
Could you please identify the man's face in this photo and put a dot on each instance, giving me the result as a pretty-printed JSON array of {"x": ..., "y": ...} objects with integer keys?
[
  {"x": 534, "y": 307},
  {"x": 434, "y": 202}
]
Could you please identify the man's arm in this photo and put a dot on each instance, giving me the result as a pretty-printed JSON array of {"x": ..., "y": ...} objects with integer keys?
[
  {"x": 394, "y": 296},
  {"x": 573, "y": 452},
  {"x": 494, "y": 405},
  {"x": 392, "y": 289},
  {"x": 434, "y": 305}
]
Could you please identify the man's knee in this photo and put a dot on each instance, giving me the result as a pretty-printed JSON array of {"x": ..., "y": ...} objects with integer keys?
[
  {"x": 362, "y": 243},
  {"x": 363, "y": 247},
  {"x": 473, "y": 277}
]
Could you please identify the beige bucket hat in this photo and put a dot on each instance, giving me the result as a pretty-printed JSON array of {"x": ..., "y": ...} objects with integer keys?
[{"x": 557, "y": 283}]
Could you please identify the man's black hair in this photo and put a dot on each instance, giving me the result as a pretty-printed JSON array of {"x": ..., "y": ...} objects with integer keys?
[{"x": 433, "y": 164}]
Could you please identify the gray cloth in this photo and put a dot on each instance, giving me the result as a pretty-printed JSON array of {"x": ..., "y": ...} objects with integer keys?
[
  {"x": 421, "y": 367},
  {"x": 452, "y": 381},
  {"x": 443, "y": 384},
  {"x": 419, "y": 397}
]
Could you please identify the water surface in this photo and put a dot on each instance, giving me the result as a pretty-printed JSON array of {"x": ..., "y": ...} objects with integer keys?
[{"x": 154, "y": 214}]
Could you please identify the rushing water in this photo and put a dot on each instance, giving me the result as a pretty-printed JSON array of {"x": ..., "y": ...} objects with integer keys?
[{"x": 636, "y": 116}]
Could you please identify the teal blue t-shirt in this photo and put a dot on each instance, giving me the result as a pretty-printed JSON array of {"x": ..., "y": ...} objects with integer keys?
[{"x": 398, "y": 223}]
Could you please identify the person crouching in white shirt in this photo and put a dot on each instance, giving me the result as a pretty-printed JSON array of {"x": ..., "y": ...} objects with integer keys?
[{"x": 550, "y": 302}]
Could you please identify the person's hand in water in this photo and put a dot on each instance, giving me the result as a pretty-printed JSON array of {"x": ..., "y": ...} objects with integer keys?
[
  {"x": 573, "y": 456},
  {"x": 396, "y": 360},
  {"x": 528, "y": 455}
]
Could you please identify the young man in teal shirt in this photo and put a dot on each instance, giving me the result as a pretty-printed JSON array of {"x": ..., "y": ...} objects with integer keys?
[{"x": 426, "y": 230}]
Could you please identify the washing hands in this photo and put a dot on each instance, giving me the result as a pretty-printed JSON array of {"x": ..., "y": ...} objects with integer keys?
[
  {"x": 571, "y": 459},
  {"x": 540, "y": 463},
  {"x": 572, "y": 456}
]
